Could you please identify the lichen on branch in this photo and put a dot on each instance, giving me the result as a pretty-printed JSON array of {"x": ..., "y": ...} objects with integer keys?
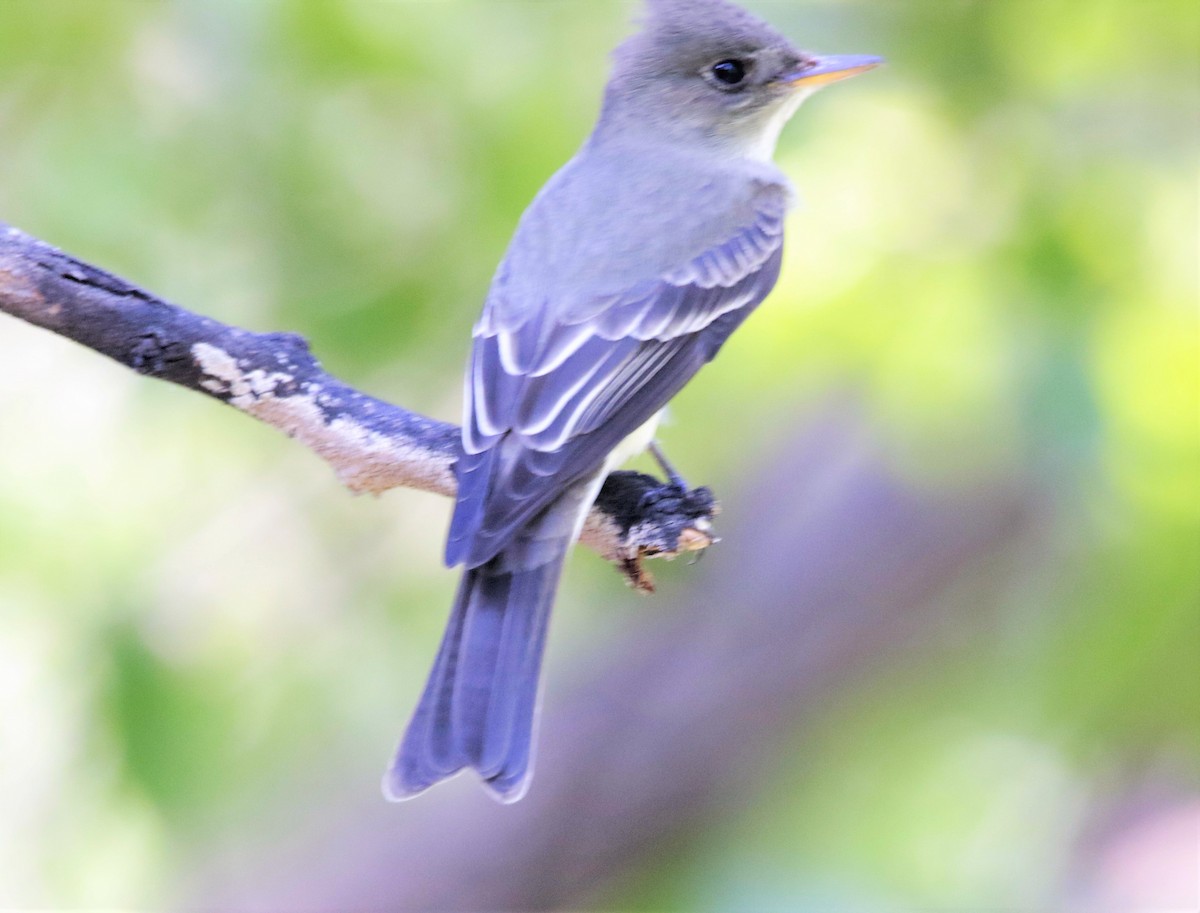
[{"x": 373, "y": 446}]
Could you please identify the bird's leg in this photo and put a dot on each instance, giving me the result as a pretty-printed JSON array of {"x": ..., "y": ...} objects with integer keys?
[
  {"x": 675, "y": 496},
  {"x": 673, "y": 477}
]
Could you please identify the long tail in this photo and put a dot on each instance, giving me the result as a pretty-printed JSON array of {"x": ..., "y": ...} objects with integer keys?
[{"x": 480, "y": 702}]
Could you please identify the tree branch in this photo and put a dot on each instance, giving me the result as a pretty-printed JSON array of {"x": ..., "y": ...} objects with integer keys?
[{"x": 371, "y": 445}]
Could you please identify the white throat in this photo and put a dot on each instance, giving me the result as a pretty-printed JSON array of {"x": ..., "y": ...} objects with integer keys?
[{"x": 760, "y": 144}]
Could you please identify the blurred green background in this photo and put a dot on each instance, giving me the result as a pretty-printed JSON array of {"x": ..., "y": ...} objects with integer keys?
[{"x": 205, "y": 643}]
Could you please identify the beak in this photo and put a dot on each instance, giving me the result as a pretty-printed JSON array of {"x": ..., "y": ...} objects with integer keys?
[{"x": 821, "y": 71}]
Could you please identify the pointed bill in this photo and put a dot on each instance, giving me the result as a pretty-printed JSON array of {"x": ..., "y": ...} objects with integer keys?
[{"x": 821, "y": 71}]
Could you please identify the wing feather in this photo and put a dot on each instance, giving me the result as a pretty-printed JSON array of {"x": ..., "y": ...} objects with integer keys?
[{"x": 548, "y": 400}]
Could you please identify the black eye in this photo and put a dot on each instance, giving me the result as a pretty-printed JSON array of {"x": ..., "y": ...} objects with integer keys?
[{"x": 729, "y": 72}]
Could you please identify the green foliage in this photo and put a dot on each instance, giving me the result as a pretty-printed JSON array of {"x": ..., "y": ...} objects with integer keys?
[{"x": 997, "y": 252}]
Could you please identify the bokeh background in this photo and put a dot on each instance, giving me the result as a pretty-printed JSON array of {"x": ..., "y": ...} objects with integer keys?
[{"x": 947, "y": 655}]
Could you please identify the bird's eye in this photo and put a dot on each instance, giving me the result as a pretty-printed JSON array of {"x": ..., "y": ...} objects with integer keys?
[{"x": 729, "y": 72}]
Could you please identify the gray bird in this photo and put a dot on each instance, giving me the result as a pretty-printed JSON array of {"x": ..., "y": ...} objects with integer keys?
[{"x": 626, "y": 275}]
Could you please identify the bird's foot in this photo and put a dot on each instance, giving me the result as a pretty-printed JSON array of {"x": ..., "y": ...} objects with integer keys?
[{"x": 659, "y": 520}]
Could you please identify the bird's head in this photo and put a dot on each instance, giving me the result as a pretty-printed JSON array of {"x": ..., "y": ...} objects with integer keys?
[{"x": 708, "y": 72}]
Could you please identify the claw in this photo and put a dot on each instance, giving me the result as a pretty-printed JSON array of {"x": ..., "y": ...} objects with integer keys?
[{"x": 694, "y": 540}]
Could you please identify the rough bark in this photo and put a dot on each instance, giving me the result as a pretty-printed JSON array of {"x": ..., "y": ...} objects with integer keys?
[{"x": 371, "y": 445}]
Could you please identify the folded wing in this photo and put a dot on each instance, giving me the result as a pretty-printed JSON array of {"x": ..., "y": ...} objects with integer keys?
[{"x": 551, "y": 394}]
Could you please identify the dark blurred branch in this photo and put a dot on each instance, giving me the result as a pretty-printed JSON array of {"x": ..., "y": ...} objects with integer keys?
[
  {"x": 372, "y": 445},
  {"x": 836, "y": 570}
]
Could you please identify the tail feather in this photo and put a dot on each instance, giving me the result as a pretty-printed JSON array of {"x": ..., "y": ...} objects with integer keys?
[
  {"x": 511, "y": 715},
  {"x": 479, "y": 705}
]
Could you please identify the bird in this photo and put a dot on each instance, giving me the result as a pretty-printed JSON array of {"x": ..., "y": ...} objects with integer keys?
[{"x": 626, "y": 274}]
